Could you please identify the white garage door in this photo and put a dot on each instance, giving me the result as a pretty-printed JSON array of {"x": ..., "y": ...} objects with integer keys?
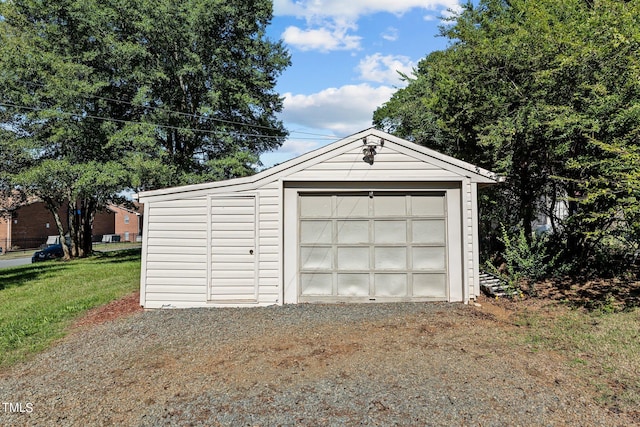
[{"x": 372, "y": 247}]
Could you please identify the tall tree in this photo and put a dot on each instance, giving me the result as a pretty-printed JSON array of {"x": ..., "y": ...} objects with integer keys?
[
  {"x": 100, "y": 97},
  {"x": 536, "y": 92}
]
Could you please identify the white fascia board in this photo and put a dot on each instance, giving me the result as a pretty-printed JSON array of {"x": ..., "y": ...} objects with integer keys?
[
  {"x": 477, "y": 174},
  {"x": 202, "y": 192},
  {"x": 176, "y": 192}
]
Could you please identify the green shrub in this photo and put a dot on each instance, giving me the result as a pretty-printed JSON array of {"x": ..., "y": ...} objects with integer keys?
[{"x": 525, "y": 261}]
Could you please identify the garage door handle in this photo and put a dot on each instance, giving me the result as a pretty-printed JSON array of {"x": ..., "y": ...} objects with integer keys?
[{"x": 250, "y": 251}]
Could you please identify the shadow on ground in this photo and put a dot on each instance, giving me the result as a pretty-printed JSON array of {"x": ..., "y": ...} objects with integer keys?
[
  {"x": 600, "y": 294},
  {"x": 117, "y": 257},
  {"x": 18, "y": 276}
]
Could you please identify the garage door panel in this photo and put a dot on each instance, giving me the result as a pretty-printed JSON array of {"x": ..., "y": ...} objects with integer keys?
[
  {"x": 428, "y": 231},
  {"x": 316, "y": 284},
  {"x": 390, "y": 258},
  {"x": 389, "y": 206},
  {"x": 352, "y": 206},
  {"x": 427, "y": 205},
  {"x": 315, "y": 206},
  {"x": 429, "y": 258},
  {"x": 353, "y": 258},
  {"x": 353, "y": 284},
  {"x": 353, "y": 231},
  {"x": 429, "y": 285},
  {"x": 391, "y": 285},
  {"x": 390, "y": 232},
  {"x": 316, "y": 232},
  {"x": 315, "y": 258}
]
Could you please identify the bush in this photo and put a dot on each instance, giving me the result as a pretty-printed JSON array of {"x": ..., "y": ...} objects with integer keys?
[{"x": 525, "y": 261}]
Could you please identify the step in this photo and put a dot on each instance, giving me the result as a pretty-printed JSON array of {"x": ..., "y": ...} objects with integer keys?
[{"x": 492, "y": 285}]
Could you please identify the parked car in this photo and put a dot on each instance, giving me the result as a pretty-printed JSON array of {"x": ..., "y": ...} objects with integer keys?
[{"x": 50, "y": 252}]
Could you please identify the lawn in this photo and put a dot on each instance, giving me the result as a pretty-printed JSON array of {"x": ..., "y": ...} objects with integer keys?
[
  {"x": 601, "y": 346},
  {"x": 39, "y": 301}
]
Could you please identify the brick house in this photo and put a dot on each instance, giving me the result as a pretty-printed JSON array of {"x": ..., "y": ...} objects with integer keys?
[
  {"x": 118, "y": 220},
  {"x": 29, "y": 225}
]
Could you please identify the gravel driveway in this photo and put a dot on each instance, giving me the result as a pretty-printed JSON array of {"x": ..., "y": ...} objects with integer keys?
[{"x": 366, "y": 364}]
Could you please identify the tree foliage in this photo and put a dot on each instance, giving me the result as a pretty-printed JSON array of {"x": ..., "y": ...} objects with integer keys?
[
  {"x": 547, "y": 94},
  {"x": 101, "y": 97}
]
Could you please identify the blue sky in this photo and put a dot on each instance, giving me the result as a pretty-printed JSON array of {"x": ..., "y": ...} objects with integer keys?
[{"x": 345, "y": 57}]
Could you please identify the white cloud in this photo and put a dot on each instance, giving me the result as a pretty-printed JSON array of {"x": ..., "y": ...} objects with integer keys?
[
  {"x": 322, "y": 39},
  {"x": 384, "y": 68},
  {"x": 330, "y": 22},
  {"x": 343, "y": 110},
  {"x": 296, "y": 147},
  {"x": 390, "y": 34},
  {"x": 351, "y": 10},
  {"x": 292, "y": 148}
]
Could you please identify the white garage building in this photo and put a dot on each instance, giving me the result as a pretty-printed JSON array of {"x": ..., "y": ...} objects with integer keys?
[{"x": 369, "y": 218}]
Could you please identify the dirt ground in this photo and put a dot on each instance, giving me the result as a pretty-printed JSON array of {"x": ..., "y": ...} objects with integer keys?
[{"x": 114, "y": 310}]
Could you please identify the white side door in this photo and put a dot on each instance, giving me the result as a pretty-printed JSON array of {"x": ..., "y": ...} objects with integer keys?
[{"x": 233, "y": 249}]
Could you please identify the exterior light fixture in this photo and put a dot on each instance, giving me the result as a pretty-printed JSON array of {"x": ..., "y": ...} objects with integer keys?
[
  {"x": 369, "y": 152},
  {"x": 369, "y": 149}
]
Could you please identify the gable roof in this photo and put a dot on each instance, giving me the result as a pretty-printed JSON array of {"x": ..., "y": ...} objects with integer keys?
[
  {"x": 137, "y": 208},
  {"x": 282, "y": 170}
]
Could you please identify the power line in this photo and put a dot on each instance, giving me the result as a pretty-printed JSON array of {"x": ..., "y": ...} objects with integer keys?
[
  {"x": 196, "y": 116},
  {"x": 111, "y": 119}
]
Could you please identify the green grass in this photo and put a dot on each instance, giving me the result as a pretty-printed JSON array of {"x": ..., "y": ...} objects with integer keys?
[
  {"x": 105, "y": 247},
  {"x": 602, "y": 348},
  {"x": 39, "y": 301}
]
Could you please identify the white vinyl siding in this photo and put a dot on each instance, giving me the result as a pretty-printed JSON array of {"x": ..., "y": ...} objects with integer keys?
[
  {"x": 176, "y": 253},
  {"x": 387, "y": 164},
  {"x": 270, "y": 239},
  {"x": 470, "y": 240}
]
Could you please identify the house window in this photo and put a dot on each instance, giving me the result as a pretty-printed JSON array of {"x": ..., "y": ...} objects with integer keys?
[{"x": 126, "y": 219}]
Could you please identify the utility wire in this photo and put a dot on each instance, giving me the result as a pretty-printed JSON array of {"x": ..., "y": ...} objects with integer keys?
[
  {"x": 196, "y": 116},
  {"x": 90, "y": 116}
]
